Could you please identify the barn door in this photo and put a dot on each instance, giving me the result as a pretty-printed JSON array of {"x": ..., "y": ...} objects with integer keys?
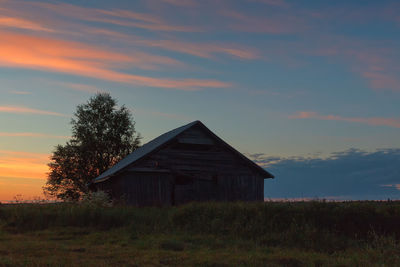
[
  {"x": 182, "y": 189},
  {"x": 188, "y": 188}
]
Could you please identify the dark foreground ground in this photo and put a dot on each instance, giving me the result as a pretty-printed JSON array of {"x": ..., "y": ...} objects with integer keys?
[{"x": 209, "y": 234}]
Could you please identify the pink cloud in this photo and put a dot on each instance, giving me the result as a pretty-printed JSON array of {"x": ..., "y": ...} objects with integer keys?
[
  {"x": 20, "y": 92},
  {"x": 115, "y": 16},
  {"x": 26, "y": 110},
  {"x": 374, "y": 121},
  {"x": 24, "y": 51},
  {"x": 379, "y": 80},
  {"x": 378, "y": 66},
  {"x": 272, "y": 24},
  {"x": 20, "y": 23}
]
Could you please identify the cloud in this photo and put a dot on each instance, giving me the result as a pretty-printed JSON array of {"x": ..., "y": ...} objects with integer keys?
[
  {"x": 379, "y": 66},
  {"x": 33, "y": 48},
  {"x": 182, "y": 3},
  {"x": 205, "y": 50},
  {"x": 397, "y": 186},
  {"x": 272, "y": 24},
  {"x": 23, "y": 164},
  {"x": 279, "y": 3},
  {"x": 374, "y": 121},
  {"x": 24, "y": 188},
  {"x": 199, "y": 49},
  {"x": 115, "y": 17},
  {"x": 352, "y": 174},
  {"x": 20, "y": 23},
  {"x": 79, "y": 87},
  {"x": 378, "y": 63},
  {"x": 26, "y": 110},
  {"x": 24, "y": 51},
  {"x": 379, "y": 80},
  {"x": 27, "y": 134},
  {"x": 20, "y": 92}
]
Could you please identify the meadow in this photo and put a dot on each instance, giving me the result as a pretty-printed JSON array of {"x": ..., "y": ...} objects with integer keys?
[{"x": 315, "y": 233}]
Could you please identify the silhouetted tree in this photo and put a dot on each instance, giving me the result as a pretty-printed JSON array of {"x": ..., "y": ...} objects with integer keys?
[{"x": 102, "y": 135}]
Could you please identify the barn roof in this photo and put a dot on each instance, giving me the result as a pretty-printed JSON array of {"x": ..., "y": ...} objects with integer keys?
[{"x": 160, "y": 141}]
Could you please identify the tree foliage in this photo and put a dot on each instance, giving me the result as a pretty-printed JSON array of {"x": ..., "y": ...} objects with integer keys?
[{"x": 102, "y": 135}]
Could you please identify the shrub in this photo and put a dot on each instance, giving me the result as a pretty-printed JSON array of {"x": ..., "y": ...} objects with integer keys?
[{"x": 97, "y": 199}]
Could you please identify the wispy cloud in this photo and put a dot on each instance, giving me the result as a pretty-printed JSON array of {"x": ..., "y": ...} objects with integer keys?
[
  {"x": 26, "y": 110},
  {"x": 379, "y": 66},
  {"x": 380, "y": 80},
  {"x": 397, "y": 186},
  {"x": 182, "y": 3},
  {"x": 272, "y": 24},
  {"x": 20, "y": 92},
  {"x": 79, "y": 87},
  {"x": 24, "y": 188},
  {"x": 119, "y": 17},
  {"x": 52, "y": 55},
  {"x": 376, "y": 62},
  {"x": 374, "y": 121},
  {"x": 11, "y": 22},
  {"x": 23, "y": 164},
  {"x": 205, "y": 50},
  {"x": 36, "y": 135},
  {"x": 279, "y": 3},
  {"x": 199, "y": 49}
]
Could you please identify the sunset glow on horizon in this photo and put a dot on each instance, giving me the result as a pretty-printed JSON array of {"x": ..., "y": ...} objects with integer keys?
[{"x": 287, "y": 83}]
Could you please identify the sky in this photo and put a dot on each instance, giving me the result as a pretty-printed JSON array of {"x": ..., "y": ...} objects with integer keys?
[{"x": 310, "y": 90}]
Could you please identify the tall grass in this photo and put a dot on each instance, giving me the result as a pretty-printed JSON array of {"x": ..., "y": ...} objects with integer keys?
[{"x": 322, "y": 226}]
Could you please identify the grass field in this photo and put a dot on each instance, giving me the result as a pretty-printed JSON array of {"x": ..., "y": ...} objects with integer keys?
[{"x": 208, "y": 234}]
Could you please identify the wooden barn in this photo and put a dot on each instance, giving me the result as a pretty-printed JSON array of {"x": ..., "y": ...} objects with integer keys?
[{"x": 187, "y": 164}]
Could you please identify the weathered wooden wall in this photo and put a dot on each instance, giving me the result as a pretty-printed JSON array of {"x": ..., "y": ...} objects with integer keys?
[
  {"x": 201, "y": 169},
  {"x": 140, "y": 188}
]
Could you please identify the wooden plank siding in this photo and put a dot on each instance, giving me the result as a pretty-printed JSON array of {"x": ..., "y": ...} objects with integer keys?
[{"x": 194, "y": 166}]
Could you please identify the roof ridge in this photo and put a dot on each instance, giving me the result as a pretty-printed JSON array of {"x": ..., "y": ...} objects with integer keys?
[{"x": 145, "y": 149}]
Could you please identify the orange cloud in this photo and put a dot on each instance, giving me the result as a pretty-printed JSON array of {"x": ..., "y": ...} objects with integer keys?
[
  {"x": 25, "y": 110},
  {"x": 27, "y": 134},
  {"x": 24, "y": 51},
  {"x": 374, "y": 121},
  {"x": 22, "y": 24},
  {"x": 23, "y": 164},
  {"x": 22, "y": 188}
]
